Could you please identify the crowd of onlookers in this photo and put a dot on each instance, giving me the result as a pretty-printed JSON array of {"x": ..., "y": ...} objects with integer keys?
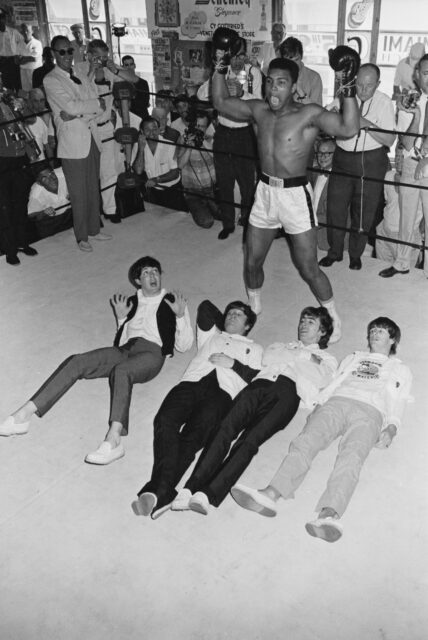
[{"x": 188, "y": 157}]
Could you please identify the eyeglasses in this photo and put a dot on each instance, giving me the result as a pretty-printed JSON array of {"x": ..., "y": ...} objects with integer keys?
[{"x": 63, "y": 52}]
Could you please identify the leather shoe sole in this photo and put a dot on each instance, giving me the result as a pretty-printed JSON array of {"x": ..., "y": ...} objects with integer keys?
[{"x": 392, "y": 271}]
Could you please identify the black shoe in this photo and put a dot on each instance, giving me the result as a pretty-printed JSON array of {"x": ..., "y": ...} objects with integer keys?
[
  {"x": 391, "y": 271},
  {"x": 115, "y": 219},
  {"x": 14, "y": 260},
  {"x": 355, "y": 264},
  {"x": 327, "y": 261},
  {"x": 29, "y": 251},
  {"x": 225, "y": 233}
]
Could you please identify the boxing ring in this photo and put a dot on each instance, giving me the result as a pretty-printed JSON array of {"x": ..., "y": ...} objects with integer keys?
[{"x": 76, "y": 563}]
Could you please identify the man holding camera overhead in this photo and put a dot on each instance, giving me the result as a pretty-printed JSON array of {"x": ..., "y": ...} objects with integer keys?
[{"x": 100, "y": 69}]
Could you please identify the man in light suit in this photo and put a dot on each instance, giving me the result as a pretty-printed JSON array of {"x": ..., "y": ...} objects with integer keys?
[{"x": 75, "y": 105}]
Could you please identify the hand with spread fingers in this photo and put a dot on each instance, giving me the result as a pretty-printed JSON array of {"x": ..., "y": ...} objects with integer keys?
[
  {"x": 179, "y": 304},
  {"x": 121, "y": 306}
]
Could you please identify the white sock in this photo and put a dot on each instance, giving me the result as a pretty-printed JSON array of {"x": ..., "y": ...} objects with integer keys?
[
  {"x": 337, "y": 323},
  {"x": 255, "y": 300}
]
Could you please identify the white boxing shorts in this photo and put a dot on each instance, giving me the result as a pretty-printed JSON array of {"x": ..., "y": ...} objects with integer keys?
[{"x": 283, "y": 203}]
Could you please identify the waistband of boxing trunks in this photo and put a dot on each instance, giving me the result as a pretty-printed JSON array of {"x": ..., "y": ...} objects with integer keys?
[
  {"x": 233, "y": 129},
  {"x": 285, "y": 183},
  {"x": 102, "y": 124}
]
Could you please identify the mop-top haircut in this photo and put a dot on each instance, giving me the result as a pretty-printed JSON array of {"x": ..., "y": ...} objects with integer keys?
[
  {"x": 326, "y": 323},
  {"x": 136, "y": 269},
  {"x": 249, "y": 313},
  {"x": 393, "y": 329}
]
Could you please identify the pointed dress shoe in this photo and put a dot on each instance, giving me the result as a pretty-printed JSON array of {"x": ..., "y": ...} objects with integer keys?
[
  {"x": 392, "y": 271},
  {"x": 29, "y": 251},
  {"x": 327, "y": 261}
]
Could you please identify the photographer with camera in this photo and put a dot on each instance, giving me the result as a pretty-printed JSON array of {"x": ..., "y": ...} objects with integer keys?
[
  {"x": 197, "y": 170},
  {"x": 15, "y": 184},
  {"x": 414, "y": 175},
  {"x": 100, "y": 69},
  {"x": 156, "y": 162}
]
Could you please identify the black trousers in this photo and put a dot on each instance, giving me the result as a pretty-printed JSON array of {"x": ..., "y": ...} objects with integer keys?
[
  {"x": 258, "y": 412},
  {"x": 11, "y": 74},
  {"x": 229, "y": 168},
  {"x": 15, "y": 185},
  {"x": 345, "y": 193},
  {"x": 170, "y": 197},
  {"x": 186, "y": 419}
]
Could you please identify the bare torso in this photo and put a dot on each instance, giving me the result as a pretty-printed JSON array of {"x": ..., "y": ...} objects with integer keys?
[{"x": 285, "y": 139}]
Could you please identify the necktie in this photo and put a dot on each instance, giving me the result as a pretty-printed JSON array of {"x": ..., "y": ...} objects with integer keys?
[
  {"x": 359, "y": 133},
  {"x": 74, "y": 79},
  {"x": 422, "y": 143}
]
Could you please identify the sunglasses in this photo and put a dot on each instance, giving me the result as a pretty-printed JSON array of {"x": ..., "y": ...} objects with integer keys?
[{"x": 63, "y": 52}]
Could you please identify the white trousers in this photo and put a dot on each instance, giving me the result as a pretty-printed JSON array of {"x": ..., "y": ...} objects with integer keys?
[
  {"x": 359, "y": 425},
  {"x": 409, "y": 198}
]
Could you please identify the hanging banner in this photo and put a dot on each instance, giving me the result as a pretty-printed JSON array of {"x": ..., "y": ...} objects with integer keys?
[{"x": 198, "y": 19}]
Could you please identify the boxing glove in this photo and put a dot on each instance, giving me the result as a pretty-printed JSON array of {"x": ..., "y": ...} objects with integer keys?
[
  {"x": 345, "y": 60},
  {"x": 226, "y": 43}
]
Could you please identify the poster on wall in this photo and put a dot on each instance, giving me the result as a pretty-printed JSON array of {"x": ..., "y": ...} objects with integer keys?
[
  {"x": 162, "y": 59},
  {"x": 20, "y": 11},
  {"x": 193, "y": 23},
  {"x": 198, "y": 19}
]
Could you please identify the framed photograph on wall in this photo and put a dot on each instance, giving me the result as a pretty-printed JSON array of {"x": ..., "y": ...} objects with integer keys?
[{"x": 167, "y": 13}]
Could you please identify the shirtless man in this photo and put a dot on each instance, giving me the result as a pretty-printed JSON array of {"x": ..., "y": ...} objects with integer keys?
[{"x": 286, "y": 132}]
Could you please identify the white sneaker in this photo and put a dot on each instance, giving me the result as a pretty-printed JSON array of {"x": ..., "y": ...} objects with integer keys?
[
  {"x": 105, "y": 454},
  {"x": 181, "y": 501},
  {"x": 328, "y": 529},
  {"x": 10, "y": 428},
  {"x": 84, "y": 245},
  {"x": 199, "y": 503},
  {"x": 101, "y": 236},
  {"x": 254, "y": 500},
  {"x": 145, "y": 504}
]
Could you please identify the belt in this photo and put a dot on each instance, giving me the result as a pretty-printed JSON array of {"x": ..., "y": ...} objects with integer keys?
[
  {"x": 233, "y": 129},
  {"x": 101, "y": 124},
  {"x": 300, "y": 181}
]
